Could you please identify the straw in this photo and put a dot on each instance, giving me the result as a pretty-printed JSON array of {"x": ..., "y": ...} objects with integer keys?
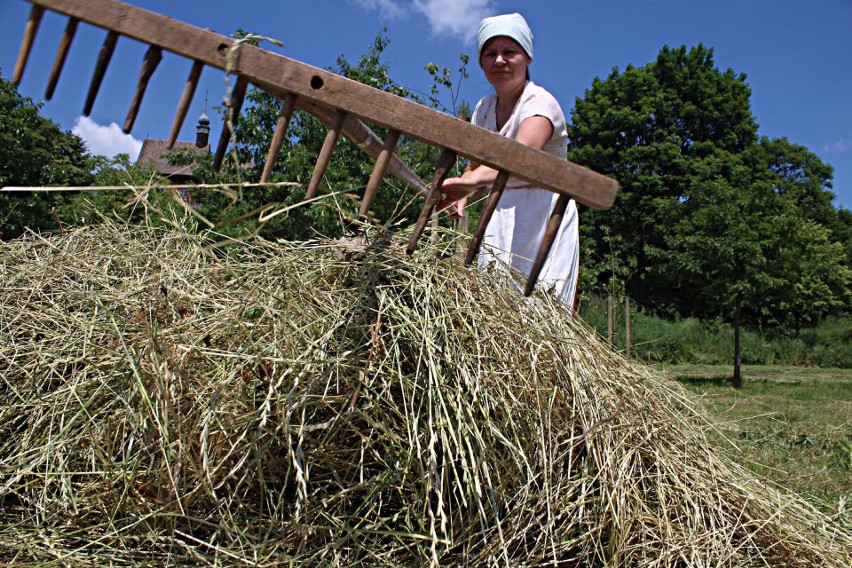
[{"x": 340, "y": 404}]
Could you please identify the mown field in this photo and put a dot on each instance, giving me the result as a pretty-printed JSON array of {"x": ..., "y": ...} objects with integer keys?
[{"x": 790, "y": 424}]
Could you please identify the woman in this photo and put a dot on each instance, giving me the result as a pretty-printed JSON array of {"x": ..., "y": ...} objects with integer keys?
[{"x": 521, "y": 110}]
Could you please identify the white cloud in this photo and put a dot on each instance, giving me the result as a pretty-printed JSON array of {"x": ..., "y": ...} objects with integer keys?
[
  {"x": 459, "y": 18},
  {"x": 390, "y": 8},
  {"x": 840, "y": 146},
  {"x": 106, "y": 140}
]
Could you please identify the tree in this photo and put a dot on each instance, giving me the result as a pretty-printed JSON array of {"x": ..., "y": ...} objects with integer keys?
[
  {"x": 664, "y": 131},
  {"x": 350, "y": 167},
  {"x": 348, "y": 172},
  {"x": 35, "y": 151},
  {"x": 709, "y": 221}
]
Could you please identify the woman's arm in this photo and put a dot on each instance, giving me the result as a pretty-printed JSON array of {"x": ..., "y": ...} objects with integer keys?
[{"x": 534, "y": 131}]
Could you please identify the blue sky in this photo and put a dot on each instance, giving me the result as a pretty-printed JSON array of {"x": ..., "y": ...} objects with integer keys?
[{"x": 797, "y": 56}]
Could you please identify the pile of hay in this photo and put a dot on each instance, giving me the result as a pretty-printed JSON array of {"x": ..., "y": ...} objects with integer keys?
[{"x": 326, "y": 405}]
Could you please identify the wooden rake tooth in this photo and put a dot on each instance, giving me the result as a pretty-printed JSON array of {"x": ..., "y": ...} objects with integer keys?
[
  {"x": 30, "y": 30},
  {"x": 378, "y": 172},
  {"x": 61, "y": 55},
  {"x": 185, "y": 100},
  {"x": 278, "y": 137},
  {"x": 238, "y": 95},
  {"x": 325, "y": 153},
  {"x": 550, "y": 232},
  {"x": 104, "y": 58},
  {"x": 364, "y": 138},
  {"x": 152, "y": 58},
  {"x": 445, "y": 162},
  {"x": 490, "y": 206}
]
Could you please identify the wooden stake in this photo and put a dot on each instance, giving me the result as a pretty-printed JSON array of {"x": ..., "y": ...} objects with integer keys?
[
  {"x": 378, "y": 172},
  {"x": 609, "y": 318},
  {"x": 153, "y": 56},
  {"x": 490, "y": 206},
  {"x": 234, "y": 107},
  {"x": 325, "y": 153},
  {"x": 27, "y": 43},
  {"x": 445, "y": 162},
  {"x": 185, "y": 100},
  {"x": 550, "y": 232},
  {"x": 104, "y": 57},
  {"x": 278, "y": 137},
  {"x": 61, "y": 55}
]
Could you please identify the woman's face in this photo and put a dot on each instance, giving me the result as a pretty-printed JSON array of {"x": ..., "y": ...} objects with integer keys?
[{"x": 504, "y": 62}]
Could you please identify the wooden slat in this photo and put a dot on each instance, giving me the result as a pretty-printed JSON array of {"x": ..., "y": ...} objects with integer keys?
[
  {"x": 490, "y": 206},
  {"x": 550, "y": 232},
  {"x": 30, "y": 31},
  {"x": 445, "y": 162},
  {"x": 325, "y": 153},
  {"x": 238, "y": 95},
  {"x": 378, "y": 173},
  {"x": 361, "y": 135},
  {"x": 61, "y": 55},
  {"x": 331, "y": 90},
  {"x": 152, "y": 58},
  {"x": 278, "y": 137},
  {"x": 104, "y": 58},
  {"x": 185, "y": 100}
]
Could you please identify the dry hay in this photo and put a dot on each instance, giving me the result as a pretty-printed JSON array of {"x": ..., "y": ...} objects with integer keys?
[{"x": 323, "y": 406}]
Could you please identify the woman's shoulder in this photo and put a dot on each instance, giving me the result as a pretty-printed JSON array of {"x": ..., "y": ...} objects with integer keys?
[
  {"x": 483, "y": 107},
  {"x": 540, "y": 94}
]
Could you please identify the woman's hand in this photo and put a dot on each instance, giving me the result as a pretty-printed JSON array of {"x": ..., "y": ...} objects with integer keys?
[{"x": 457, "y": 189}]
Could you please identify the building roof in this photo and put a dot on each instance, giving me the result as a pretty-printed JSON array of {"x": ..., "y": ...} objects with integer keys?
[{"x": 153, "y": 151}]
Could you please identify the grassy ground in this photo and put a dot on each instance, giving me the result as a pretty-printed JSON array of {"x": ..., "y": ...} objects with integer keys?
[{"x": 790, "y": 424}]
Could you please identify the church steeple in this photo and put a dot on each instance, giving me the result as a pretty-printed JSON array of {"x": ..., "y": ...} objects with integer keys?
[{"x": 202, "y": 136}]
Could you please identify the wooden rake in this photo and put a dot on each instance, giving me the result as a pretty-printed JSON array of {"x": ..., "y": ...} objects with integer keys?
[{"x": 339, "y": 102}]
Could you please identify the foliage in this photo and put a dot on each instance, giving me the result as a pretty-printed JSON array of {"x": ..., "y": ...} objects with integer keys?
[
  {"x": 349, "y": 169},
  {"x": 710, "y": 341},
  {"x": 35, "y": 151},
  {"x": 710, "y": 221}
]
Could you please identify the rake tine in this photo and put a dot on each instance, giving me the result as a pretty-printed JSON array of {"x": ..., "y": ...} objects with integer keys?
[
  {"x": 234, "y": 106},
  {"x": 445, "y": 162},
  {"x": 104, "y": 57},
  {"x": 185, "y": 100},
  {"x": 550, "y": 231},
  {"x": 27, "y": 43},
  {"x": 61, "y": 54},
  {"x": 278, "y": 138},
  {"x": 490, "y": 206},
  {"x": 325, "y": 153},
  {"x": 149, "y": 64},
  {"x": 378, "y": 172}
]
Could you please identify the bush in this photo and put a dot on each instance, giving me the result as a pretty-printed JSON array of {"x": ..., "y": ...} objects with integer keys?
[{"x": 711, "y": 342}]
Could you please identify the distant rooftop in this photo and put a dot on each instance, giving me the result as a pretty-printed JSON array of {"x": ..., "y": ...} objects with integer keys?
[{"x": 153, "y": 153}]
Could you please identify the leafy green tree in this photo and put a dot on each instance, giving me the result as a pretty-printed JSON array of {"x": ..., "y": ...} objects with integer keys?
[
  {"x": 709, "y": 221},
  {"x": 717, "y": 250},
  {"x": 663, "y": 130},
  {"x": 347, "y": 174},
  {"x": 89, "y": 206},
  {"x": 35, "y": 151},
  {"x": 799, "y": 176},
  {"x": 350, "y": 168}
]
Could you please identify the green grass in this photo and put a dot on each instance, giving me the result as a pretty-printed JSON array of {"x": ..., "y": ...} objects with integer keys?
[
  {"x": 792, "y": 425},
  {"x": 711, "y": 342}
]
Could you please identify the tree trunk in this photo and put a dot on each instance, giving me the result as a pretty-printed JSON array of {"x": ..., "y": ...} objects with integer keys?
[{"x": 738, "y": 376}]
